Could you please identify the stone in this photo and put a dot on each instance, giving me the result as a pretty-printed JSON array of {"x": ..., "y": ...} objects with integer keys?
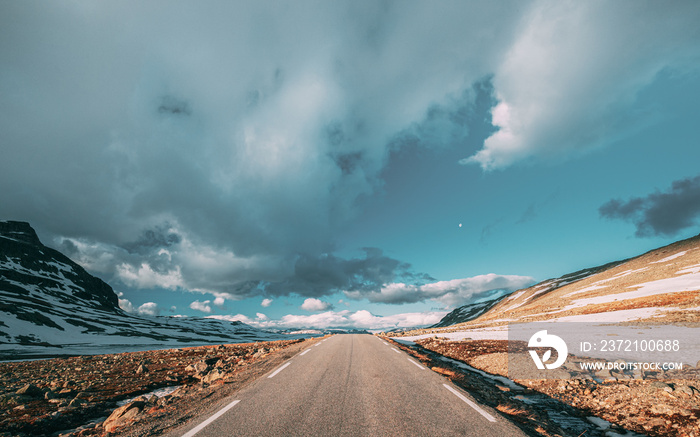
[
  {"x": 201, "y": 367},
  {"x": 213, "y": 376},
  {"x": 659, "y": 408},
  {"x": 77, "y": 402},
  {"x": 659, "y": 385},
  {"x": 141, "y": 369},
  {"x": 30, "y": 390},
  {"x": 122, "y": 416}
]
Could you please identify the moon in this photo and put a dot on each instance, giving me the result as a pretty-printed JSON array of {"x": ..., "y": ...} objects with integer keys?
[{"x": 460, "y": 225}]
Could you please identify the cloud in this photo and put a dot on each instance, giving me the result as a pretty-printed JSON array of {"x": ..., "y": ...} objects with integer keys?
[
  {"x": 225, "y": 149},
  {"x": 312, "y": 304},
  {"x": 147, "y": 309},
  {"x": 568, "y": 81},
  {"x": 233, "y": 142},
  {"x": 342, "y": 319},
  {"x": 126, "y": 305},
  {"x": 659, "y": 213},
  {"x": 316, "y": 276},
  {"x": 204, "y": 307},
  {"x": 451, "y": 293},
  {"x": 145, "y": 277},
  {"x": 266, "y": 303}
]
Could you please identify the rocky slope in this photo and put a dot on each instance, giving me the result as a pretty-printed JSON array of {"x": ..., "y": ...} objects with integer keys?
[
  {"x": 49, "y": 305},
  {"x": 468, "y": 312}
]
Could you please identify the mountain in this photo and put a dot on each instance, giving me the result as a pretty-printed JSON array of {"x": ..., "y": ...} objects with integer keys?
[
  {"x": 468, "y": 312},
  {"x": 49, "y": 305},
  {"x": 661, "y": 286}
]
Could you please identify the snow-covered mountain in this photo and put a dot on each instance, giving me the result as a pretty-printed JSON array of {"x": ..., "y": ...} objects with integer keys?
[{"x": 50, "y": 305}]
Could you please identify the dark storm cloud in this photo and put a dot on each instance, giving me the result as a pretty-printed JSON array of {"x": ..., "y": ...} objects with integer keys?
[
  {"x": 317, "y": 276},
  {"x": 252, "y": 131},
  {"x": 206, "y": 146},
  {"x": 157, "y": 238},
  {"x": 659, "y": 213}
]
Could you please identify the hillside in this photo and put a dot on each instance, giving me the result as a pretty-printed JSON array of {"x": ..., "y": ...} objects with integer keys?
[
  {"x": 468, "y": 312},
  {"x": 49, "y": 305},
  {"x": 661, "y": 286}
]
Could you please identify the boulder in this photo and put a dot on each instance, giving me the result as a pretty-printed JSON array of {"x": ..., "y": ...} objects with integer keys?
[
  {"x": 30, "y": 390},
  {"x": 123, "y": 416},
  {"x": 213, "y": 376}
]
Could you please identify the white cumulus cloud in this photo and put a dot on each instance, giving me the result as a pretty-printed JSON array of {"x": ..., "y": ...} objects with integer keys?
[
  {"x": 341, "y": 319},
  {"x": 312, "y": 304},
  {"x": 568, "y": 81},
  {"x": 204, "y": 307}
]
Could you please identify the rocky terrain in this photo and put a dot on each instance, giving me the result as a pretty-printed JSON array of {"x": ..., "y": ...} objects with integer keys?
[
  {"x": 610, "y": 406},
  {"x": 130, "y": 394}
]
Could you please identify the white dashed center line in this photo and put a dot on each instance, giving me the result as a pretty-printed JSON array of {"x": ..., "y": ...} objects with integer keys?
[
  {"x": 304, "y": 352},
  {"x": 279, "y": 370},
  {"x": 419, "y": 366},
  {"x": 394, "y": 349},
  {"x": 477, "y": 408}
]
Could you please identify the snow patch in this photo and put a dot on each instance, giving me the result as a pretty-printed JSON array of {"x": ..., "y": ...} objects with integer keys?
[
  {"x": 669, "y": 258},
  {"x": 689, "y": 282}
]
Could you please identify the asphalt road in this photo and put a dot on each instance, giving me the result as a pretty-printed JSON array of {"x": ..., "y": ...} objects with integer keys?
[{"x": 352, "y": 385}]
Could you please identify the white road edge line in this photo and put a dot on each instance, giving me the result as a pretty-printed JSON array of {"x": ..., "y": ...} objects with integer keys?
[
  {"x": 477, "y": 408},
  {"x": 419, "y": 366},
  {"x": 304, "y": 352},
  {"x": 387, "y": 344},
  {"x": 202, "y": 425},
  {"x": 394, "y": 349},
  {"x": 280, "y": 369}
]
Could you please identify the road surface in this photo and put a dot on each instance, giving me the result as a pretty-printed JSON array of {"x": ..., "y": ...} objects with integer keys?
[{"x": 352, "y": 385}]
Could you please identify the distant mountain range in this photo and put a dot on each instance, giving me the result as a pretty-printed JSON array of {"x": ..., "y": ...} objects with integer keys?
[
  {"x": 662, "y": 285},
  {"x": 49, "y": 305}
]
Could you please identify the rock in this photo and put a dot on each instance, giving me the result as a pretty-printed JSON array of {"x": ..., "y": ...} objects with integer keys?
[
  {"x": 65, "y": 393},
  {"x": 683, "y": 389},
  {"x": 213, "y": 376},
  {"x": 201, "y": 367},
  {"x": 122, "y": 416},
  {"x": 30, "y": 390},
  {"x": 260, "y": 353},
  {"x": 661, "y": 386},
  {"x": 662, "y": 409},
  {"x": 141, "y": 369},
  {"x": 77, "y": 402}
]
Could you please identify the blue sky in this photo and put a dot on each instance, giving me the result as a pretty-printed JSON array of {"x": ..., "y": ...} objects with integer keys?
[{"x": 351, "y": 164}]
